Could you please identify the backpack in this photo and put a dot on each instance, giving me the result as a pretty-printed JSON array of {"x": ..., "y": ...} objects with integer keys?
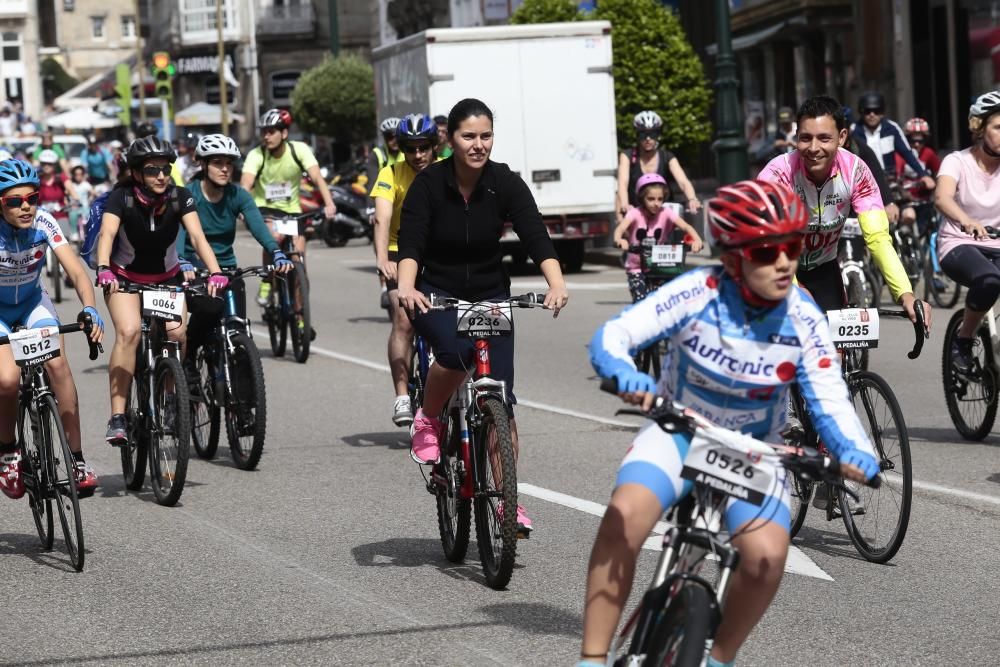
[
  {"x": 92, "y": 231},
  {"x": 263, "y": 159}
]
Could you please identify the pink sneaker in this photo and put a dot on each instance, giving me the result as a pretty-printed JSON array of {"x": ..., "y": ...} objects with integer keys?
[
  {"x": 10, "y": 475},
  {"x": 425, "y": 447},
  {"x": 524, "y": 525}
]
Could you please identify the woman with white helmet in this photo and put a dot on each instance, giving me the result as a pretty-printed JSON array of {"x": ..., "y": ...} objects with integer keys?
[
  {"x": 55, "y": 190},
  {"x": 648, "y": 157},
  {"x": 968, "y": 196},
  {"x": 220, "y": 203}
]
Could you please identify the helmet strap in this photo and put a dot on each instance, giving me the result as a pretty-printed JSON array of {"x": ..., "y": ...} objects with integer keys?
[{"x": 989, "y": 151}]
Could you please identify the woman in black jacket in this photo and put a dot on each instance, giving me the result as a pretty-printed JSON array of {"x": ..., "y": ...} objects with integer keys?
[{"x": 449, "y": 245}]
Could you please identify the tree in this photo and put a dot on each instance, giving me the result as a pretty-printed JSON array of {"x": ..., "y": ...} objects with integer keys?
[
  {"x": 654, "y": 66},
  {"x": 55, "y": 79},
  {"x": 546, "y": 11},
  {"x": 335, "y": 99}
]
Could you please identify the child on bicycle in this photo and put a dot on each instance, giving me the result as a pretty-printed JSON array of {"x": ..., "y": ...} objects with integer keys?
[
  {"x": 650, "y": 214},
  {"x": 24, "y": 234},
  {"x": 741, "y": 333}
]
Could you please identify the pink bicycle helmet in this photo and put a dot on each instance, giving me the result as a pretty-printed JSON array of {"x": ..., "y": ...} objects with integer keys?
[{"x": 649, "y": 179}]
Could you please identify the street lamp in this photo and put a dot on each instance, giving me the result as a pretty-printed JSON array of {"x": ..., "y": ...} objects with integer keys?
[{"x": 730, "y": 145}]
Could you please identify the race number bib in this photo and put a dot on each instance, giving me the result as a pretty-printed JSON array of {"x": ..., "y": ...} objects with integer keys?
[
  {"x": 278, "y": 191},
  {"x": 480, "y": 320},
  {"x": 162, "y": 305},
  {"x": 34, "y": 346},
  {"x": 853, "y": 328},
  {"x": 726, "y": 471},
  {"x": 286, "y": 226},
  {"x": 667, "y": 255}
]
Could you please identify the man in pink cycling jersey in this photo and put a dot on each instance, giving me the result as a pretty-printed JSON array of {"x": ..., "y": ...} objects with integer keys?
[{"x": 832, "y": 181}]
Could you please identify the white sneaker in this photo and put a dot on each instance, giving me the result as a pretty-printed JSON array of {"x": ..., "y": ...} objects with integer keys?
[{"x": 402, "y": 411}]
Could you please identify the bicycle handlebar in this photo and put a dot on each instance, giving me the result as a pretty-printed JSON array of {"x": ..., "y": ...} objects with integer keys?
[
  {"x": 85, "y": 324},
  {"x": 920, "y": 331},
  {"x": 527, "y": 300},
  {"x": 805, "y": 462}
]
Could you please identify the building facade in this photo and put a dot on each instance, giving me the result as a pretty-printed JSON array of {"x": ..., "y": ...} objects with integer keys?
[
  {"x": 87, "y": 37},
  {"x": 19, "y": 64}
]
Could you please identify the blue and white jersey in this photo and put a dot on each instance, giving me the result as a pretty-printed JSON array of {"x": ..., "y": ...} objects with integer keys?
[
  {"x": 733, "y": 363},
  {"x": 22, "y": 257}
]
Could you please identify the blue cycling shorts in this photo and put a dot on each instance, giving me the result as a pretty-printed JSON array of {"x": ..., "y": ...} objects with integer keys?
[
  {"x": 655, "y": 460},
  {"x": 34, "y": 313}
]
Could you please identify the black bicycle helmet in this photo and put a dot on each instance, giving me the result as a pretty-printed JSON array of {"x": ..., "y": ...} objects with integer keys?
[
  {"x": 147, "y": 148},
  {"x": 871, "y": 100},
  {"x": 145, "y": 130}
]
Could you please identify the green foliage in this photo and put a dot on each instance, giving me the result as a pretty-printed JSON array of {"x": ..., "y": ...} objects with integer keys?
[
  {"x": 654, "y": 65},
  {"x": 546, "y": 11},
  {"x": 335, "y": 99},
  {"x": 55, "y": 80}
]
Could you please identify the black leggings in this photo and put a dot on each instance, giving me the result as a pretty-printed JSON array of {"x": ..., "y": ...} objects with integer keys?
[
  {"x": 206, "y": 311},
  {"x": 978, "y": 269},
  {"x": 824, "y": 284}
]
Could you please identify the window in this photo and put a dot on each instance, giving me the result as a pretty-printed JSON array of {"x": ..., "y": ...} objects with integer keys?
[
  {"x": 128, "y": 26},
  {"x": 10, "y": 46},
  {"x": 199, "y": 16},
  {"x": 97, "y": 27}
]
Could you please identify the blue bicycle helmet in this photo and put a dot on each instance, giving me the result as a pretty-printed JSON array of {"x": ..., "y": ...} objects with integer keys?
[
  {"x": 17, "y": 172},
  {"x": 417, "y": 127}
]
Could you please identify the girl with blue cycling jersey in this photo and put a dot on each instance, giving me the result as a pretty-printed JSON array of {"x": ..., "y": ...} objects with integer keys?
[
  {"x": 24, "y": 234},
  {"x": 740, "y": 334}
]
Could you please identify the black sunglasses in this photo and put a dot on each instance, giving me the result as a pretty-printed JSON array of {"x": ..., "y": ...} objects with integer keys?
[
  {"x": 873, "y": 111},
  {"x": 16, "y": 201},
  {"x": 152, "y": 171},
  {"x": 649, "y": 135},
  {"x": 420, "y": 148}
]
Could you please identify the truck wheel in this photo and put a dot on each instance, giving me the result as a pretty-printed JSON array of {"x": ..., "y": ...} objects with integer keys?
[{"x": 571, "y": 255}]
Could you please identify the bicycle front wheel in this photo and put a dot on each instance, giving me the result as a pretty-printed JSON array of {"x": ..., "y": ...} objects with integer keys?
[
  {"x": 171, "y": 433},
  {"x": 135, "y": 451},
  {"x": 36, "y": 472},
  {"x": 63, "y": 479},
  {"x": 454, "y": 512},
  {"x": 301, "y": 322},
  {"x": 856, "y": 299},
  {"x": 276, "y": 318},
  {"x": 878, "y": 523},
  {"x": 683, "y": 629},
  {"x": 496, "y": 499},
  {"x": 246, "y": 409},
  {"x": 205, "y": 412},
  {"x": 971, "y": 397}
]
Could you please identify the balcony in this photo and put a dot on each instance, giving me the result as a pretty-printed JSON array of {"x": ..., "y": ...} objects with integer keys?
[
  {"x": 283, "y": 21},
  {"x": 14, "y": 9}
]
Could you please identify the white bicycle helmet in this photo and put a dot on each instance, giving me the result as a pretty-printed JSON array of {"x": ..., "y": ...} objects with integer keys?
[
  {"x": 389, "y": 125},
  {"x": 985, "y": 105},
  {"x": 647, "y": 120},
  {"x": 48, "y": 156},
  {"x": 216, "y": 145}
]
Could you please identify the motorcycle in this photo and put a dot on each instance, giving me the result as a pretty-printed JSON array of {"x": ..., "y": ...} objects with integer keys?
[{"x": 352, "y": 220}]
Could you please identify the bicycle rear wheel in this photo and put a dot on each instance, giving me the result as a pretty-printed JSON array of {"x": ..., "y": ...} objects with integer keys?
[
  {"x": 246, "y": 408},
  {"x": 454, "y": 512},
  {"x": 275, "y": 316},
  {"x": 206, "y": 417},
  {"x": 683, "y": 629},
  {"x": 971, "y": 397},
  {"x": 171, "y": 433},
  {"x": 496, "y": 500},
  {"x": 301, "y": 323},
  {"x": 944, "y": 291},
  {"x": 63, "y": 479},
  {"x": 135, "y": 451},
  {"x": 878, "y": 533},
  {"x": 37, "y": 473}
]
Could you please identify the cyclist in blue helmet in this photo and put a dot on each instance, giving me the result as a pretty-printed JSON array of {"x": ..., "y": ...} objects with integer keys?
[{"x": 24, "y": 234}]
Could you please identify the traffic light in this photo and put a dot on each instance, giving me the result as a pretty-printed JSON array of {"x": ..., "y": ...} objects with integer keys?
[
  {"x": 163, "y": 74},
  {"x": 123, "y": 93}
]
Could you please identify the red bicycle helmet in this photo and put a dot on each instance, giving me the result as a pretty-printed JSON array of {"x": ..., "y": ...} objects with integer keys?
[
  {"x": 917, "y": 126},
  {"x": 750, "y": 211}
]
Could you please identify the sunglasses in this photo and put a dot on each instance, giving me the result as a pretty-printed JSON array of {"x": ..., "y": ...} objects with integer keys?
[
  {"x": 877, "y": 112},
  {"x": 655, "y": 136},
  {"x": 17, "y": 201},
  {"x": 768, "y": 253},
  {"x": 421, "y": 148},
  {"x": 916, "y": 142},
  {"x": 152, "y": 171}
]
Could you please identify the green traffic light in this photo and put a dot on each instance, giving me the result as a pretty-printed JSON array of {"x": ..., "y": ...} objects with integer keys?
[{"x": 171, "y": 69}]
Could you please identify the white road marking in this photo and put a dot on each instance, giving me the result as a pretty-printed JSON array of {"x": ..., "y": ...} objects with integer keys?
[
  {"x": 797, "y": 562},
  {"x": 958, "y": 493}
]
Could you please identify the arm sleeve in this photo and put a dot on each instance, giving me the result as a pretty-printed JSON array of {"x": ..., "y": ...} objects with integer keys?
[
  {"x": 903, "y": 148},
  {"x": 415, "y": 219},
  {"x": 778, "y": 171},
  {"x": 875, "y": 228},
  {"x": 523, "y": 214},
  {"x": 186, "y": 200},
  {"x": 254, "y": 220},
  {"x": 385, "y": 185}
]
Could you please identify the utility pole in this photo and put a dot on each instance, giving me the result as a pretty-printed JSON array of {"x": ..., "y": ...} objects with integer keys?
[
  {"x": 253, "y": 59},
  {"x": 334, "y": 28},
  {"x": 139, "y": 64},
  {"x": 223, "y": 102},
  {"x": 730, "y": 145}
]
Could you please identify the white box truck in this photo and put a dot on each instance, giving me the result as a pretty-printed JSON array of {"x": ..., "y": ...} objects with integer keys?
[{"x": 552, "y": 94}]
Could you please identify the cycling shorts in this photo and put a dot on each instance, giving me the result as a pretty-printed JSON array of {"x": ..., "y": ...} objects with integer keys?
[
  {"x": 655, "y": 459},
  {"x": 454, "y": 352},
  {"x": 34, "y": 313},
  {"x": 824, "y": 284}
]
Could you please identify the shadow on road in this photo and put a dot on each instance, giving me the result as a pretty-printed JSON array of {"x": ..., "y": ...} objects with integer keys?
[
  {"x": 389, "y": 439},
  {"x": 828, "y": 542},
  {"x": 27, "y": 545},
  {"x": 536, "y": 618},
  {"x": 369, "y": 318},
  {"x": 419, "y": 552},
  {"x": 948, "y": 435},
  {"x": 113, "y": 486}
]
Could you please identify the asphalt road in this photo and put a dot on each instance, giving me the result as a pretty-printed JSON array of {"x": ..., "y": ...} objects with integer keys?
[{"x": 329, "y": 553}]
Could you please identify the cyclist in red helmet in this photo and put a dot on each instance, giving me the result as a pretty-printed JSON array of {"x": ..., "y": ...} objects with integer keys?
[{"x": 741, "y": 333}]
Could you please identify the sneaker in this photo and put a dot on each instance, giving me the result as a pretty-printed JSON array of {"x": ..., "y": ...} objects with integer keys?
[
  {"x": 10, "y": 474},
  {"x": 426, "y": 435},
  {"x": 794, "y": 430},
  {"x": 263, "y": 293},
  {"x": 86, "y": 479},
  {"x": 402, "y": 411},
  {"x": 961, "y": 354},
  {"x": 302, "y": 327},
  {"x": 384, "y": 300},
  {"x": 524, "y": 524},
  {"x": 117, "y": 430}
]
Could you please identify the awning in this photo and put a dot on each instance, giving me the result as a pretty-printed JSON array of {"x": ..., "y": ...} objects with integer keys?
[
  {"x": 754, "y": 38},
  {"x": 203, "y": 113},
  {"x": 81, "y": 119}
]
